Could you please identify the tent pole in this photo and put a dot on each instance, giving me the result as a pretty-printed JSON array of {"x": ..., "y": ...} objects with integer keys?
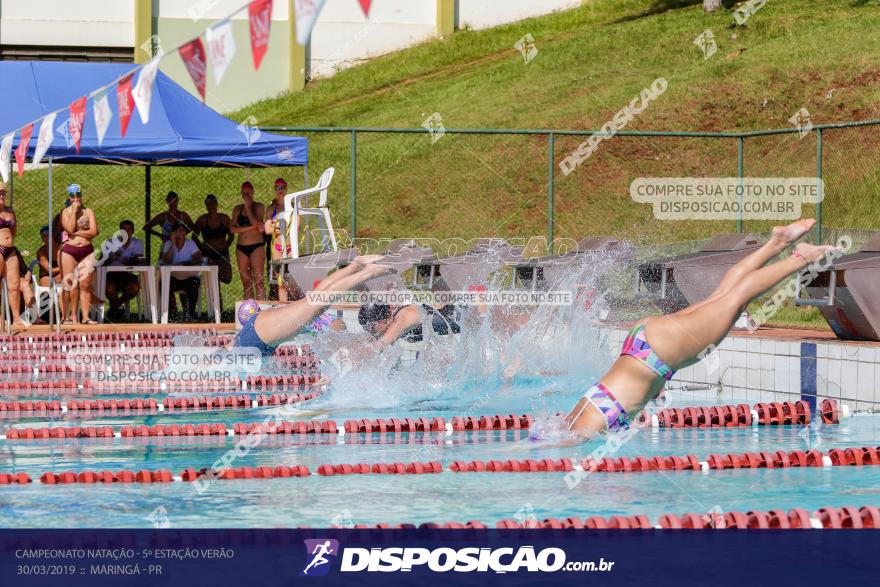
[
  {"x": 147, "y": 214},
  {"x": 53, "y": 294}
]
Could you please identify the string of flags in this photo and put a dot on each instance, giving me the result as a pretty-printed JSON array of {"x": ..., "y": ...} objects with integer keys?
[{"x": 218, "y": 49}]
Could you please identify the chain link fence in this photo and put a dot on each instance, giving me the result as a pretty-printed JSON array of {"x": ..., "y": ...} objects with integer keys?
[{"x": 442, "y": 183}]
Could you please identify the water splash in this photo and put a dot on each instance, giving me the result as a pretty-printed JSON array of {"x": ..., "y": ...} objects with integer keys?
[{"x": 528, "y": 359}]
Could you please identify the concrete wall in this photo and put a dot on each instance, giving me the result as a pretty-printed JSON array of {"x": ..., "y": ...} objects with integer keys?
[
  {"x": 481, "y": 14},
  {"x": 343, "y": 37},
  {"x": 77, "y": 23},
  {"x": 241, "y": 85}
]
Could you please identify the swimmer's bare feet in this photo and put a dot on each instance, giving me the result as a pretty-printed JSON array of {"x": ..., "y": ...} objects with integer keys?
[
  {"x": 810, "y": 253},
  {"x": 785, "y": 235}
]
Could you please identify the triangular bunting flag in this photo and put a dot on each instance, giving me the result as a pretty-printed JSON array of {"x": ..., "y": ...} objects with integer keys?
[
  {"x": 44, "y": 137},
  {"x": 21, "y": 150},
  {"x": 125, "y": 101},
  {"x": 63, "y": 130},
  {"x": 221, "y": 48},
  {"x": 260, "y": 17},
  {"x": 5, "y": 155},
  {"x": 143, "y": 91},
  {"x": 77, "y": 119},
  {"x": 306, "y": 12},
  {"x": 365, "y": 6},
  {"x": 193, "y": 55},
  {"x": 102, "y": 113}
]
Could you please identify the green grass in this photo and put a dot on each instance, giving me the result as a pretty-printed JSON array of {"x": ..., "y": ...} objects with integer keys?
[{"x": 823, "y": 55}]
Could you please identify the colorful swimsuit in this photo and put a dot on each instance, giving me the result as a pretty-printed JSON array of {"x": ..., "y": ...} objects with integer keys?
[
  {"x": 600, "y": 397},
  {"x": 636, "y": 345}
]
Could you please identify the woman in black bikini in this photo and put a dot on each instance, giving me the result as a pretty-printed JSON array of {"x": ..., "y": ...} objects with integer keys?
[
  {"x": 213, "y": 235},
  {"x": 81, "y": 227},
  {"x": 9, "y": 263},
  {"x": 250, "y": 252}
]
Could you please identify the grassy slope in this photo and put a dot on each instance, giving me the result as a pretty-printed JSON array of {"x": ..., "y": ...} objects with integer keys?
[{"x": 591, "y": 62}]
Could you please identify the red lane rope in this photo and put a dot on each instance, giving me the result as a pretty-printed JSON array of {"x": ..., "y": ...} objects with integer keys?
[
  {"x": 139, "y": 406},
  {"x": 350, "y": 427},
  {"x": 762, "y": 414},
  {"x": 865, "y": 517},
  {"x": 260, "y": 382},
  {"x": 835, "y": 457}
]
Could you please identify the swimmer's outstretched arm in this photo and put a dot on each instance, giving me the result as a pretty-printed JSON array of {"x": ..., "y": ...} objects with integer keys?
[{"x": 282, "y": 323}]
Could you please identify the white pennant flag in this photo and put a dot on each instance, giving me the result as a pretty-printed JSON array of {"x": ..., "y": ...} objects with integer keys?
[
  {"x": 221, "y": 48},
  {"x": 44, "y": 138},
  {"x": 306, "y": 12},
  {"x": 103, "y": 114},
  {"x": 6, "y": 156},
  {"x": 143, "y": 91}
]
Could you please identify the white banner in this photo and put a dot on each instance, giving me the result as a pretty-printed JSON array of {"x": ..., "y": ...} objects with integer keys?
[
  {"x": 143, "y": 91},
  {"x": 6, "y": 156},
  {"x": 306, "y": 12},
  {"x": 221, "y": 48},
  {"x": 44, "y": 138},
  {"x": 103, "y": 114}
]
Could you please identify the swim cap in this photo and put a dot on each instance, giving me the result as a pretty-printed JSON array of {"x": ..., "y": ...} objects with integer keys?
[
  {"x": 370, "y": 313},
  {"x": 74, "y": 189}
]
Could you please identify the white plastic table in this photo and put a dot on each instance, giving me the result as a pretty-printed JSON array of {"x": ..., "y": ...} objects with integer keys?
[
  {"x": 146, "y": 276},
  {"x": 211, "y": 282}
]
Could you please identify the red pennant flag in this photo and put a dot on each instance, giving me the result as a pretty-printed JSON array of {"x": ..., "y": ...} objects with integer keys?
[
  {"x": 365, "y": 6},
  {"x": 193, "y": 55},
  {"x": 77, "y": 119},
  {"x": 21, "y": 151},
  {"x": 125, "y": 101},
  {"x": 260, "y": 16}
]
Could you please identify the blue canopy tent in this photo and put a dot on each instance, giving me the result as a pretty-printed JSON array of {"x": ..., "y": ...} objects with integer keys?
[{"x": 182, "y": 131}]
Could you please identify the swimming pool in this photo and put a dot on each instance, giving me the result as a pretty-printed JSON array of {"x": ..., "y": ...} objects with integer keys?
[{"x": 343, "y": 500}]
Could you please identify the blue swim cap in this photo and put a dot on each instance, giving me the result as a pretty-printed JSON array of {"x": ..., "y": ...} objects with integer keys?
[{"x": 74, "y": 189}]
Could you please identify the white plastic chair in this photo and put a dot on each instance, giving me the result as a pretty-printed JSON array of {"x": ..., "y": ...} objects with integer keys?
[
  {"x": 294, "y": 209},
  {"x": 45, "y": 291}
]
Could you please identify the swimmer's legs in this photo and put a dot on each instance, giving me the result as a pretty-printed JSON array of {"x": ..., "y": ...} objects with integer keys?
[
  {"x": 679, "y": 339},
  {"x": 780, "y": 238}
]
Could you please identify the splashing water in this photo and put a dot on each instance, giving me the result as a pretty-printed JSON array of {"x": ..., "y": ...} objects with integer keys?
[{"x": 535, "y": 359}]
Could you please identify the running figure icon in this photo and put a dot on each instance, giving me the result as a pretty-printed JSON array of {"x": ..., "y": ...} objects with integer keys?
[{"x": 319, "y": 550}]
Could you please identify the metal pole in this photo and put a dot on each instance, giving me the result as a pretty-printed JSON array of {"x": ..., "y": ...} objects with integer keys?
[
  {"x": 303, "y": 228},
  {"x": 551, "y": 160},
  {"x": 148, "y": 197},
  {"x": 53, "y": 294},
  {"x": 739, "y": 172},
  {"x": 821, "y": 192},
  {"x": 353, "y": 203}
]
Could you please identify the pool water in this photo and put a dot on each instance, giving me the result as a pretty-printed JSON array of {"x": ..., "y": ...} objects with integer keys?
[{"x": 370, "y": 499}]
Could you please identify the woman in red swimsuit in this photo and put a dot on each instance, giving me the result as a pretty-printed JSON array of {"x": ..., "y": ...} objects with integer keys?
[
  {"x": 81, "y": 227},
  {"x": 9, "y": 264}
]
